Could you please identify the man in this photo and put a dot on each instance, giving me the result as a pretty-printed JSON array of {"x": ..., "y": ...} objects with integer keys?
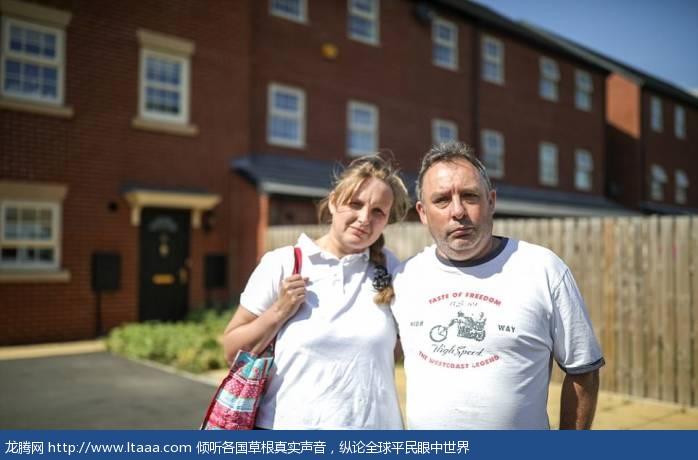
[{"x": 481, "y": 317}]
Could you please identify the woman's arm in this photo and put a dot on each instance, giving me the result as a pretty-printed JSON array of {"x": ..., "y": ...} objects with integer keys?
[{"x": 247, "y": 331}]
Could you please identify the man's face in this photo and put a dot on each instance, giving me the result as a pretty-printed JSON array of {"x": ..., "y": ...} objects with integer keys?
[{"x": 458, "y": 209}]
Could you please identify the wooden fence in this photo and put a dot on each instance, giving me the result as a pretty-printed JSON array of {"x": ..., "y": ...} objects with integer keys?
[{"x": 639, "y": 277}]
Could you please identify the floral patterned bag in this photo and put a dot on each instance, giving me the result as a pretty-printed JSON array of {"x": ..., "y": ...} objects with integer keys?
[{"x": 235, "y": 403}]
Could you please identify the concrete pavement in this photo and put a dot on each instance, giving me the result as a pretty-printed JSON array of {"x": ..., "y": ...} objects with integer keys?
[{"x": 186, "y": 395}]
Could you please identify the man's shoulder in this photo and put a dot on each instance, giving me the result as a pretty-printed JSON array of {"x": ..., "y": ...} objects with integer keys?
[
  {"x": 534, "y": 252},
  {"x": 415, "y": 261}
]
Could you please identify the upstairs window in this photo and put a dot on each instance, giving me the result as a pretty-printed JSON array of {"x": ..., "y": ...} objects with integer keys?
[
  {"x": 679, "y": 122},
  {"x": 30, "y": 235},
  {"x": 583, "y": 168},
  {"x": 549, "y": 79},
  {"x": 547, "y": 164},
  {"x": 583, "y": 89},
  {"x": 443, "y": 131},
  {"x": 658, "y": 179},
  {"x": 492, "y": 60},
  {"x": 33, "y": 61},
  {"x": 656, "y": 117},
  {"x": 295, "y": 10},
  {"x": 363, "y": 21},
  {"x": 164, "y": 83},
  {"x": 493, "y": 153},
  {"x": 681, "y": 179},
  {"x": 362, "y": 128},
  {"x": 286, "y": 116},
  {"x": 444, "y": 44}
]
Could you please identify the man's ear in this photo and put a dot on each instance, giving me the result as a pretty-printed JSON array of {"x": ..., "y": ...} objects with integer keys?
[
  {"x": 421, "y": 211},
  {"x": 492, "y": 201}
]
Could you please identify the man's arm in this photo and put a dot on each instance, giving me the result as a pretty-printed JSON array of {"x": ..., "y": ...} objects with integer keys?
[{"x": 578, "y": 400}]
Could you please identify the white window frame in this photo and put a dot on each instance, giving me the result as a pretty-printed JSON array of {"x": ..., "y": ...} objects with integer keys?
[
  {"x": 548, "y": 160},
  {"x": 658, "y": 179},
  {"x": 450, "y": 45},
  {"x": 583, "y": 170},
  {"x": 182, "y": 89},
  {"x": 56, "y": 62},
  {"x": 679, "y": 122},
  {"x": 549, "y": 79},
  {"x": 372, "y": 17},
  {"x": 276, "y": 8},
  {"x": 493, "y": 150},
  {"x": 682, "y": 183},
  {"x": 493, "y": 61},
  {"x": 371, "y": 129},
  {"x": 583, "y": 90},
  {"x": 296, "y": 116},
  {"x": 656, "y": 115},
  {"x": 52, "y": 243},
  {"x": 439, "y": 124}
]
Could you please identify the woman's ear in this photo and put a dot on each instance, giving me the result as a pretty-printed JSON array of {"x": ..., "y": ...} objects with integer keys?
[{"x": 331, "y": 203}]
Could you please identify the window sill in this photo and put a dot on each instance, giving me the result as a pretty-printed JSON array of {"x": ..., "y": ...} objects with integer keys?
[
  {"x": 36, "y": 107},
  {"x": 164, "y": 127},
  {"x": 34, "y": 276}
]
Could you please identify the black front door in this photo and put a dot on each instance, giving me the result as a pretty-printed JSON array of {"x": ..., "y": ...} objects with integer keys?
[{"x": 164, "y": 267}]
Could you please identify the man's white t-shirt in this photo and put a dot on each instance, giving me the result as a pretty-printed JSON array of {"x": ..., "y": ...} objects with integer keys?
[
  {"x": 334, "y": 361},
  {"x": 479, "y": 339}
]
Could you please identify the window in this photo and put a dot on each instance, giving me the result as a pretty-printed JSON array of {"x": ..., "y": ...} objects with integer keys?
[
  {"x": 659, "y": 178},
  {"x": 362, "y": 121},
  {"x": 493, "y": 153},
  {"x": 32, "y": 58},
  {"x": 295, "y": 10},
  {"x": 492, "y": 60},
  {"x": 443, "y": 131},
  {"x": 444, "y": 36},
  {"x": 583, "y": 167},
  {"x": 656, "y": 117},
  {"x": 549, "y": 79},
  {"x": 363, "y": 21},
  {"x": 29, "y": 235},
  {"x": 547, "y": 164},
  {"x": 30, "y": 231},
  {"x": 679, "y": 122},
  {"x": 164, "y": 83},
  {"x": 286, "y": 116},
  {"x": 681, "y": 179},
  {"x": 583, "y": 89}
]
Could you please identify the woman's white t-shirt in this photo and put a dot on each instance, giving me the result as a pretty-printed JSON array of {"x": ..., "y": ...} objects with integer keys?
[{"x": 334, "y": 362}]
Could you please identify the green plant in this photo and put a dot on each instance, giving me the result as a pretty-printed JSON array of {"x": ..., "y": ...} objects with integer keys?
[{"x": 192, "y": 345}]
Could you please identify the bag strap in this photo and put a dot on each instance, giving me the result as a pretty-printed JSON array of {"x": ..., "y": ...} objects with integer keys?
[{"x": 297, "y": 260}]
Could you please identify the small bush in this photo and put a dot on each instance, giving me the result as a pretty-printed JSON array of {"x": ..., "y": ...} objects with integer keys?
[{"x": 192, "y": 345}]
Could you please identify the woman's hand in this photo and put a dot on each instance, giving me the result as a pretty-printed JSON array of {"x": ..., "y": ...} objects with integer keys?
[{"x": 291, "y": 295}]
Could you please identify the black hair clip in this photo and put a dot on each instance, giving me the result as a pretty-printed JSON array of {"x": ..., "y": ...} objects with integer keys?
[{"x": 381, "y": 278}]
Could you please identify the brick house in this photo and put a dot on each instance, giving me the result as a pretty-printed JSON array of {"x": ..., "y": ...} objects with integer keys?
[
  {"x": 651, "y": 142},
  {"x": 147, "y": 145}
]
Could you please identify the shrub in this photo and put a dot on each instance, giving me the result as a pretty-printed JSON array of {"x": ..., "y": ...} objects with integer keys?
[{"x": 192, "y": 345}]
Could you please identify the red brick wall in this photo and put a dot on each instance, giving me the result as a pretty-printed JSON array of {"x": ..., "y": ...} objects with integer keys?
[
  {"x": 97, "y": 151},
  {"x": 671, "y": 153},
  {"x": 525, "y": 119},
  {"x": 397, "y": 76}
]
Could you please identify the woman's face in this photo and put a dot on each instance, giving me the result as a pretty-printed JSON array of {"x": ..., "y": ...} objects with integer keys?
[{"x": 357, "y": 223}]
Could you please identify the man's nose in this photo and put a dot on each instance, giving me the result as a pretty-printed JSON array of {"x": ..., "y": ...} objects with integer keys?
[{"x": 457, "y": 208}]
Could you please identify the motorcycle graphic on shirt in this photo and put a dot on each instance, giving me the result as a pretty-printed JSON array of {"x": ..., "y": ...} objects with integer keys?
[{"x": 466, "y": 326}]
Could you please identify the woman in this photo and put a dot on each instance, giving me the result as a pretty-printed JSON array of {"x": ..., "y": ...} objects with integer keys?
[{"x": 335, "y": 335}]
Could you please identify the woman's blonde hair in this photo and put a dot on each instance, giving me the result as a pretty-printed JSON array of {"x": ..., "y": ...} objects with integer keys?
[{"x": 346, "y": 183}]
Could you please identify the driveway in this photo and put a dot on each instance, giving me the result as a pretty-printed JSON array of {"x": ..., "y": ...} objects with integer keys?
[{"x": 98, "y": 391}]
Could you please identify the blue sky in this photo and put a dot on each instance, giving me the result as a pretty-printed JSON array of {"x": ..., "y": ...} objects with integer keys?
[{"x": 659, "y": 37}]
